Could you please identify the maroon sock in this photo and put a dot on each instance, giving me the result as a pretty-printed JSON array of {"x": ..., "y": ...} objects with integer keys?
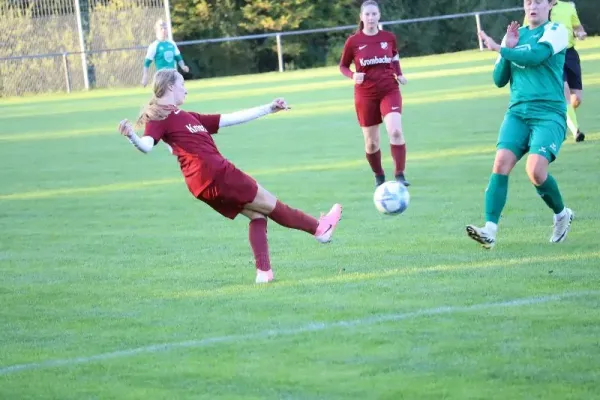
[
  {"x": 257, "y": 235},
  {"x": 374, "y": 160},
  {"x": 399, "y": 156},
  {"x": 294, "y": 219}
]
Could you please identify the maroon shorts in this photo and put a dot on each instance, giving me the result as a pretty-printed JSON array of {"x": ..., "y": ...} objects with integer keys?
[
  {"x": 370, "y": 111},
  {"x": 230, "y": 192}
]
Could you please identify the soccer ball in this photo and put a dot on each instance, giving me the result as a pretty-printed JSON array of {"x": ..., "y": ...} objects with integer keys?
[{"x": 391, "y": 198}]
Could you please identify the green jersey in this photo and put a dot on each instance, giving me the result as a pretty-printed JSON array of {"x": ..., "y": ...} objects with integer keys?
[
  {"x": 165, "y": 54},
  {"x": 535, "y": 69}
]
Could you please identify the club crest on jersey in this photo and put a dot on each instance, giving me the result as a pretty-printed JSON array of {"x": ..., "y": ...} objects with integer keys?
[
  {"x": 384, "y": 45},
  {"x": 196, "y": 128}
]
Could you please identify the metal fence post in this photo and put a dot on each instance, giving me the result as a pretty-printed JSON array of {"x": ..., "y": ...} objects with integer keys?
[
  {"x": 478, "y": 24},
  {"x": 67, "y": 72},
  {"x": 86, "y": 79},
  {"x": 279, "y": 52},
  {"x": 168, "y": 19}
]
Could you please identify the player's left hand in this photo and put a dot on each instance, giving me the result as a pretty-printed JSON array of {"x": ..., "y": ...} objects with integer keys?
[
  {"x": 402, "y": 80},
  {"x": 581, "y": 35},
  {"x": 185, "y": 69},
  {"x": 512, "y": 34},
  {"x": 279, "y": 104},
  {"x": 489, "y": 42}
]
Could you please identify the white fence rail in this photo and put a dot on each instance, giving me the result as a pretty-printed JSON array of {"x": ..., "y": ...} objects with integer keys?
[{"x": 63, "y": 65}]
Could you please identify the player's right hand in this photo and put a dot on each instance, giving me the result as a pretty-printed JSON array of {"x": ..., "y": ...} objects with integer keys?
[
  {"x": 489, "y": 42},
  {"x": 359, "y": 77},
  {"x": 144, "y": 80},
  {"x": 125, "y": 128}
]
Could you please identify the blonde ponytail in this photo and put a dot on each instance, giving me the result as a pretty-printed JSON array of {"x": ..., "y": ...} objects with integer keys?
[{"x": 154, "y": 111}]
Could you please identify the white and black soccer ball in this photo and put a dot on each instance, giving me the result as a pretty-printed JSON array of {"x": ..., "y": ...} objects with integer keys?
[{"x": 391, "y": 198}]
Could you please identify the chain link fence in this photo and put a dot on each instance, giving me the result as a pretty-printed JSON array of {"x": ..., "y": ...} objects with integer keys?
[
  {"x": 41, "y": 44},
  {"x": 38, "y": 45}
]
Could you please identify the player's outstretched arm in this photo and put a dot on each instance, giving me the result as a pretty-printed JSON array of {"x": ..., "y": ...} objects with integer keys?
[
  {"x": 501, "y": 73},
  {"x": 528, "y": 56},
  {"x": 346, "y": 60},
  {"x": 144, "y": 144},
  {"x": 179, "y": 59},
  {"x": 239, "y": 117},
  {"x": 150, "y": 54},
  {"x": 552, "y": 42},
  {"x": 183, "y": 67}
]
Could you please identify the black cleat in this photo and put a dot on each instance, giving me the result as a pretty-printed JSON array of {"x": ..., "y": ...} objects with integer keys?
[
  {"x": 580, "y": 137},
  {"x": 400, "y": 178},
  {"x": 379, "y": 180}
]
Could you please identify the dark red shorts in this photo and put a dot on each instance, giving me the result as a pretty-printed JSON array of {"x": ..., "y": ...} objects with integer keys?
[
  {"x": 370, "y": 111},
  {"x": 230, "y": 192}
]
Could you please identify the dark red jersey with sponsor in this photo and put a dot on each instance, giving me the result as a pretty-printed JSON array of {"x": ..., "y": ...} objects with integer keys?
[
  {"x": 377, "y": 57},
  {"x": 189, "y": 135}
]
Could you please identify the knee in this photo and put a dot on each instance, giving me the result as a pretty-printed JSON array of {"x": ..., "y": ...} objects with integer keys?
[
  {"x": 503, "y": 165},
  {"x": 396, "y": 136},
  {"x": 537, "y": 175},
  {"x": 371, "y": 145},
  {"x": 253, "y": 215}
]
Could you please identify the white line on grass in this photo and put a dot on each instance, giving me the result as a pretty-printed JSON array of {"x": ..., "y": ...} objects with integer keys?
[{"x": 312, "y": 327}]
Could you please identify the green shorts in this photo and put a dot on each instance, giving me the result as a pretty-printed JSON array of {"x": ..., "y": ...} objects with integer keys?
[{"x": 532, "y": 134}]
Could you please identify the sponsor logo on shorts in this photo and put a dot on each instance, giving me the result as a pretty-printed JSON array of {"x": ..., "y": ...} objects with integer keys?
[
  {"x": 553, "y": 146},
  {"x": 196, "y": 128},
  {"x": 395, "y": 108},
  {"x": 542, "y": 149},
  {"x": 374, "y": 61}
]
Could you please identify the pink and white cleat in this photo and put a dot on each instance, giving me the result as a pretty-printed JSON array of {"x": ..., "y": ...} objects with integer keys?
[
  {"x": 264, "y": 276},
  {"x": 328, "y": 223}
]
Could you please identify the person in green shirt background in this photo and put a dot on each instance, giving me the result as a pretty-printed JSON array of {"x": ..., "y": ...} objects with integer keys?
[
  {"x": 163, "y": 52},
  {"x": 565, "y": 13}
]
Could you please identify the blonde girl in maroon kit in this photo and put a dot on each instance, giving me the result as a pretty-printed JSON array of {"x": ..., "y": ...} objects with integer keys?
[
  {"x": 212, "y": 178},
  {"x": 377, "y": 96}
]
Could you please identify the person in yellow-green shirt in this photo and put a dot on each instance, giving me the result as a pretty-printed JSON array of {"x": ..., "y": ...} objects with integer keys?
[{"x": 565, "y": 13}]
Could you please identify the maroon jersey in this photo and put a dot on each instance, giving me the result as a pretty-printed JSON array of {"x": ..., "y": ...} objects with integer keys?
[
  {"x": 189, "y": 135},
  {"x": 377, "y": 57}
]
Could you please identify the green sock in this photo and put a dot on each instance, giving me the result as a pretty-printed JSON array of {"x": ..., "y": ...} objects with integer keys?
[
  {"x": 572, "y": 119},
  {"x": 551, "y": 195},
  {"x": 495, "y": 197}
]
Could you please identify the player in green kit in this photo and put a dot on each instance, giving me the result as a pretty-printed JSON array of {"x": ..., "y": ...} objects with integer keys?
[
  {"x": 163, "y": 52},
  {"x": 531, "y": 59}
]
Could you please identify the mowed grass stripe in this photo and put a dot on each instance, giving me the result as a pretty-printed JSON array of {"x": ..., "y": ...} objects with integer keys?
[
  {"x": 353, "y": 277},
  {"x": 126, "y": 186},
  {"x": 306, "y": 109}
]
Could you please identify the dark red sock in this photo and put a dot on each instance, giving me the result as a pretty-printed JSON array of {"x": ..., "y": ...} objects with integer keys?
[
  {"x": 257, "y": 235},
  {"x": 399, "y": 156},
  {"x": 294, "y": 219},
  {"x": 374, "y": 160}
]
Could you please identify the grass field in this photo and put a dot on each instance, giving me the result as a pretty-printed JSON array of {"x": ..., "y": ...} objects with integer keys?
[{"x": 116, "y": 283}]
